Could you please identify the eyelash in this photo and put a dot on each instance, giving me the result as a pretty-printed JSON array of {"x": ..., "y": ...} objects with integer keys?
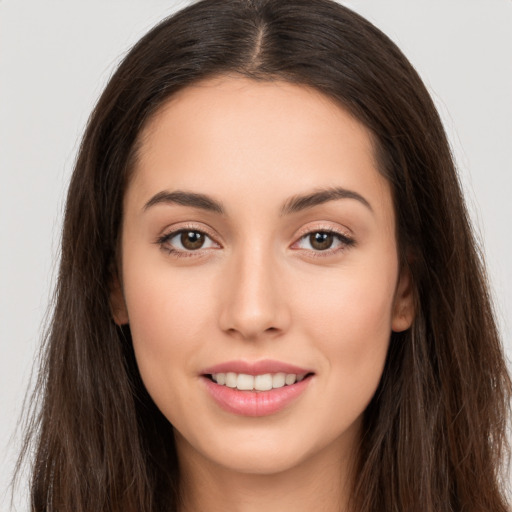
[
  {"x": 163, "y": 240},
  {"x": 345, "y": 241}
]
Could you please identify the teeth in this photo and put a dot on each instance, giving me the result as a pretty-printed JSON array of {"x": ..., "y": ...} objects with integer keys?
[
  {"x": 231, "y": 380},
  {"x": 290, "y": 379},
  {"x": 278, "y": 380},
  {"x": 245, "y": 382},
  {"x": 265, "y": 382}
]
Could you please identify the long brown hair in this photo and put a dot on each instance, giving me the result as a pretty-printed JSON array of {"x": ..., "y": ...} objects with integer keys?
[{"x": 434, "y": 436}]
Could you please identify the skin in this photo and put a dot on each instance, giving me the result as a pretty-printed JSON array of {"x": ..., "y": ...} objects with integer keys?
[{"x": 258, "y": 288}]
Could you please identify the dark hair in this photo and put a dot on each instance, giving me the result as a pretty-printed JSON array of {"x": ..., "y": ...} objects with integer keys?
[{"x": 434, "y": 436}]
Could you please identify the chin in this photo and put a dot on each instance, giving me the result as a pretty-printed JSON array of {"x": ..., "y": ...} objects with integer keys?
[
  {"x": 260, "y": 461},
  {"x": 267, "y": 451}
]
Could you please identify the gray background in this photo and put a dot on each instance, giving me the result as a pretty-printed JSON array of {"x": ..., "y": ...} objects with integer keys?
[{"x": 55, "y": 57}]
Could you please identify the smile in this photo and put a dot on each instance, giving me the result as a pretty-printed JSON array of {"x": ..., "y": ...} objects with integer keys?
[
  {"x": 264, "y": 382},
  {"x": 258, "y": 388}
]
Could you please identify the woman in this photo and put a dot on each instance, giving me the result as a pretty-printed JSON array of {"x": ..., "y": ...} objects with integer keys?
[{"x": 269, "y": 294}]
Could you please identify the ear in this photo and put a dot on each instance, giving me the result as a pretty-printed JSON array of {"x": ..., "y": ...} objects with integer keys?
[
  {"x": 117, "y": 302},
  {"x": 403, "y": 306}
]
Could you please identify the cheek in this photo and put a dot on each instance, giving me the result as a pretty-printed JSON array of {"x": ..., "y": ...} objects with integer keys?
[
  {"x": 168, "y": 315},
  {"x": 354, "y": 306},
  {"x": 164, "y": 303},
  {"x": 350, "y": 321}
]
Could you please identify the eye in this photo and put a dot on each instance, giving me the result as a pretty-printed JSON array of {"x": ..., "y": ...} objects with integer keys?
[
  {"x": 186, "y": 241},
  {"x": 324, "y": 241}
]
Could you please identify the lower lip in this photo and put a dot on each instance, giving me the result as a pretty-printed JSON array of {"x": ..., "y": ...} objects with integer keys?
[{"x": 252, "y": 403}]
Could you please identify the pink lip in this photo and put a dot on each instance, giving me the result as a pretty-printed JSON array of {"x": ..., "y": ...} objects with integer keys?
[
  {"x": 255, "y": 403},
  {"x": 255, "y": 367}
]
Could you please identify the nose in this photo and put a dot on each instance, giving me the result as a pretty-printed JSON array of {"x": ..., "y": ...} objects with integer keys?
[{"x": 253, "y": 298}]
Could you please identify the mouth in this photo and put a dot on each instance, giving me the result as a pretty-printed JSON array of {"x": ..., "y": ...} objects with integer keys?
[
  {"x": 257, "y": 383},
  {"x": 259, "y": 388}
]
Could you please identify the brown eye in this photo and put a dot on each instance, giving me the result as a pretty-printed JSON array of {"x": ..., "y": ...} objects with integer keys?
[
  {"x": 191, "y": 240},
  {"x": 326, "y": 241},
  {"x": 321, "y": 240},
  {"x": 186, "y": 241}
]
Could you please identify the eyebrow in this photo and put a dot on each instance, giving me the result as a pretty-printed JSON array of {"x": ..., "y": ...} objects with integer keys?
[
  {"x": 192, "y": 199},
  {"x": 304, "y": 202},
  {"x": 292, "y": 205}
]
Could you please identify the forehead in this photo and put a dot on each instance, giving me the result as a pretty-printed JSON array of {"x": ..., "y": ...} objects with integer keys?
[
  {"x": 244, "y": 110},
  {"x": 253, "y": 138}
]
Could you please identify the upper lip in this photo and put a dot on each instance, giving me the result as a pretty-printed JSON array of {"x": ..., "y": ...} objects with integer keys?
[{"x": 255, "y": 367}]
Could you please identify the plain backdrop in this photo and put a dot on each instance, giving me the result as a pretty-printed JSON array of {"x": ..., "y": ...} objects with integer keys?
[{"x": 55, "y": 58}]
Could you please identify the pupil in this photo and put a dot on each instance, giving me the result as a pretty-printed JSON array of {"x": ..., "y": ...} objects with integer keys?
[
  {"x": 321, "y": 240},
  {"x": 192, "y": 240}
]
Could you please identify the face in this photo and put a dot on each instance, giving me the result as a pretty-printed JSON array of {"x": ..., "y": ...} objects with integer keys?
[{"x": 260, "y": 275}]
